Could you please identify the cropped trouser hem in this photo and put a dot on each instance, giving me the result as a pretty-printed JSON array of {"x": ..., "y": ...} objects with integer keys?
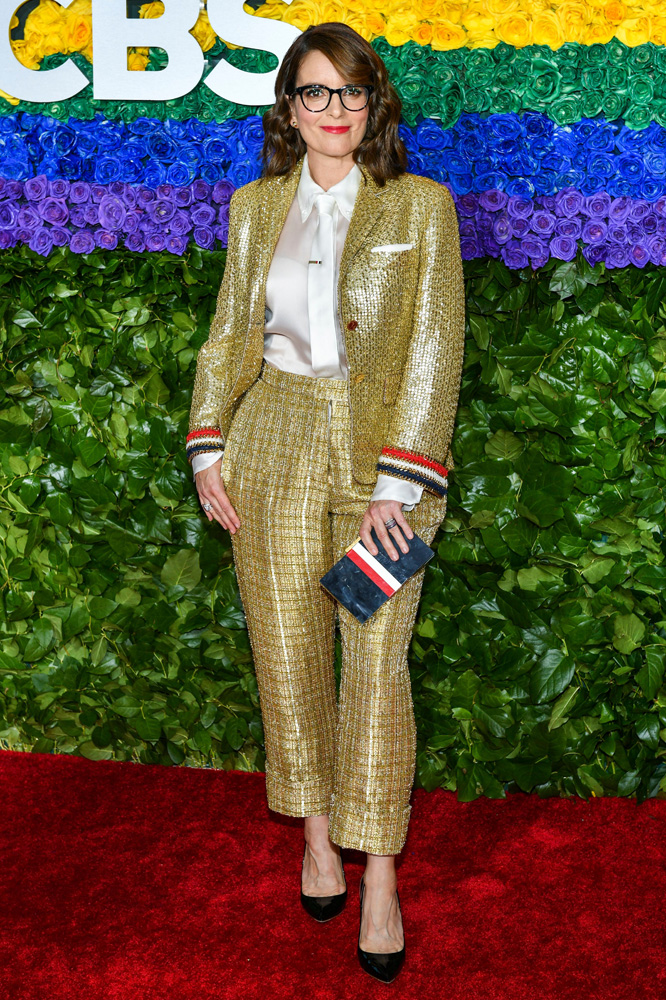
[
  {"x": 302, "y": 798},
  {"x": 376, "y": 832}
]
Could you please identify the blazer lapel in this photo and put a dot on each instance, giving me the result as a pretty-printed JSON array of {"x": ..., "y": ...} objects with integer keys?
[{"x": 371, "y": 203}]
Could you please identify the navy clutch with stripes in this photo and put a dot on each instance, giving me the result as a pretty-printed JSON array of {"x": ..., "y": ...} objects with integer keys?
[{"x": 362, "y": 582}]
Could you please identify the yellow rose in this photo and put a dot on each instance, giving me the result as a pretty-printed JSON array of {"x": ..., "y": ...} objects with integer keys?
[
  {"x": 615, "y": 11},
  {"x": 514, "y": 29},
  {"x": 547, "y": 30},
  {"x": 599, "y": 33},
  {"x": 478, "y": 23},
  {"x": 81, "y": 8},
  {"x": 447, "y": 35},
  {"x": 356, "y": 5},
  {"x": 575, "y": 19},
  {"x": 331, "y": 11},
  {"x": 153, "y": 9},
  {"x": 422, "y": 33},
  {"x": 374, "y": 24},
  {"x": 136, "y": 60},
  {"x": 203, "y": 32},
  {"x": 78, "y": 33},
  {"x": 499, "y": 8},
  {"x": 358, "y": 22},
  {"x": 658, "y": 31},
  {"x": 483, "y": 38},
  {"x": 8, "y": 97},
  {"x": 45, "y": 18},
  {"x": 635, "y": 31},
  {"x": 25, "y": 54},
  {"x": 395, "y": 33}
]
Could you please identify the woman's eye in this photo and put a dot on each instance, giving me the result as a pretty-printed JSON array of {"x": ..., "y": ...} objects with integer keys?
[
  {"x": 314, "y": 92},
  {"x": 352, "y": 91}
]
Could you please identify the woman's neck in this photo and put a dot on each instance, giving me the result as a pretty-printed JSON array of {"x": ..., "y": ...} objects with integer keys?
[{"x": 328, "y": 170}]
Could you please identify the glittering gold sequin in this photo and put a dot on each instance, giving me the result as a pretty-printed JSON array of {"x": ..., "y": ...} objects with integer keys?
[{"x": 287, "y": 471}]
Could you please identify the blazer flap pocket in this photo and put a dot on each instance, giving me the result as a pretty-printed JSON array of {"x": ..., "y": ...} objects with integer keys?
[{"x": 392, "y": 387}]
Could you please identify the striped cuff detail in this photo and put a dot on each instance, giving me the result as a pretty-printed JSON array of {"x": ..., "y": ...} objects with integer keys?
[
  {"x": 416, "y": 468},
  {"x": 206, "y": 439}
]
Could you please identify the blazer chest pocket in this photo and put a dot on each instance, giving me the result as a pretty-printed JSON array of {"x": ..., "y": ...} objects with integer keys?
[
  {"x": 391, "y": 255},
  {"x": 391, "y": 387}
]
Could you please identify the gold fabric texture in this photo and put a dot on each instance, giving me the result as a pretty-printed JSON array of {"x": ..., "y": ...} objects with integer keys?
[
  {"x": 401, "y": 313},
  {"x": 287, "y": 470}
]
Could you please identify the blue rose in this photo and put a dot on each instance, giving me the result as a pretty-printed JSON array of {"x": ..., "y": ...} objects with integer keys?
[
  {"x": 210, "y": 172},
  {"x": 154, "y": 174}
]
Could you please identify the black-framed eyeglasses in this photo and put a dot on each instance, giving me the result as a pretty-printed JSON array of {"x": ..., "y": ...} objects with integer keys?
[{"x": 317, "y": 97}]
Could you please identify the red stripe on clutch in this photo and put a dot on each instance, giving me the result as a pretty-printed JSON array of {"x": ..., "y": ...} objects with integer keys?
[
  {"x": 369, "y": 572},
  {"x": 411, "y": 456}
]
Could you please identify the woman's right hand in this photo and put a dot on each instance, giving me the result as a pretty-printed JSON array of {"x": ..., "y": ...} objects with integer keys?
[{"x": 211, "y": 490}]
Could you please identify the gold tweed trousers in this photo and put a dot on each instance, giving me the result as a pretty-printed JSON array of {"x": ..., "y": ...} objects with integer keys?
[{"x": 287, "y": 472}]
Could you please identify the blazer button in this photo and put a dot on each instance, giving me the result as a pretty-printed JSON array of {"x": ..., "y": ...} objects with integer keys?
[
  {"x": 352, "y": 324},
  {"x": 359, "y": 377}
]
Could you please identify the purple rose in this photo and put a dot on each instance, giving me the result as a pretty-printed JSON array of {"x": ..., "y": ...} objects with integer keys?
[
  {"x": 657, "y": 249},
  {"x": 91, "y": 214},
  {"x": 54, "y": 211},
  {"x": 534, "y": 247},
  {"x": 112, "y": 213},
  {"x": 519, "y": 208},
  {"x": 222, "y": 234},
  {"x": 13, "y": 190},
  {"x": 200, "y": 190},
  {"x": 180, "y": 224},
  {"x": 203, "y": 215},
  {"x": 634, "y": 232},
  {"x": 467, "y": 227},
  {"x": 24, "y": 235},
  {"x": 594, "y": 231},
  {"x": 597, "y": 205},
  {"x": 543, "y": 222},
  {"x": 639, "y": 255},
  {"x": 650, "y": 223},
  {"x": 79, "y": 192},
  {"x": 617, "y": 234},
  {"x": 77, "y": 216},
  {"x": 223, "y": 215},
  {"x": 176, "y": 244},
  {"x": 182, "y": 197},
  {"x": 132, "y": 221},
  {"x": 569, "y": 227},
  {"x": 60, "y": 237},
  {"x": 594, "y": 252},
  {"x": 97, "y": 192},
  {"x": 639, "y": 209},
  {"x": 617, "y": 255},
  {"x": 164, "y": 191},
  {"x": 204, "y": 236},
  {"x": 59, "y": 188},
  {"x": 135, "y": 242},
  {"x": 36, "y": 188},
  {"x": 41, "y": 241},
  {"x": 660, "y": 205},
  {"x": 106, "y": 240},
  {"x": 128, "y": 196},
  {"x": 222, "y": 192},
  {"x": 619, "y": 209},
  {"x": 484, "y": 223},
  {"x": 514, "y": 256},
  {"x": 29, "y": 218},
  {"x": 7, "y": 239},
  {"x": 469, "y": 248},
  {"x": 564, "y": 247},
  {"x": 8, "y": 215},
  {"x": 161, "y": 211},
  {"x": 502, "y": 229},
  {"x": 144, "y": 196},
  {"x": 568, "y": 202},
  {"x": 520, "y": 226},
  {"x": 493, "y": 200},
  {"x": 82, "y": 242},
  {"x": 155, "y": 242}
]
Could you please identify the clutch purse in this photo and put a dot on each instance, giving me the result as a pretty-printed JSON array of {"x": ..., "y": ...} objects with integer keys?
[{"x": 362, "y": 582}]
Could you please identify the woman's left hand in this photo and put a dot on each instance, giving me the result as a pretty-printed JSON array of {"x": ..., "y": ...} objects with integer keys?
[{"x": 377, "y": 513}]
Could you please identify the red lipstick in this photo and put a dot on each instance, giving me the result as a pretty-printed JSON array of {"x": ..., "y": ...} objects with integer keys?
[{"x": 336, "y": 129}]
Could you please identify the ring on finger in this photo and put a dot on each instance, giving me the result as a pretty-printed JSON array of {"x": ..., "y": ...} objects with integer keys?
[
  {"x": 207, "y": 506},
  {"x": 391, "y": 523}
]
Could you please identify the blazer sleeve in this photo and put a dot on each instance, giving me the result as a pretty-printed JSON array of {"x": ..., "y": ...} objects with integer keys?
[
  {"x": 213, "y": 372},
  {"x": 421, "y": 425}
]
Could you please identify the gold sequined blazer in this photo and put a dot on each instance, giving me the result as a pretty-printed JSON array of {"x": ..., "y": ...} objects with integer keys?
[{"x": 401, "y": 311}]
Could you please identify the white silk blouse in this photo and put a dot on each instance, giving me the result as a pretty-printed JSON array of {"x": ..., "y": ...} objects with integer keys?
[{"x": 294, "y": 298}]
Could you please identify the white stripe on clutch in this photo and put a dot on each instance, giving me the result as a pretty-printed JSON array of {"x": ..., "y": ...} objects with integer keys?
[
  {"x": 361, "y": 551},
  {"x": 423, "y": 470}
]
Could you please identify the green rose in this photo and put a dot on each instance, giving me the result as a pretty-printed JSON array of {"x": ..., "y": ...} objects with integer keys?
[
  {"x": 431, "y": 103},
  {"x": 503, "y": 53},
  {"x": 477, "y": 101},
  {"x": 594, "y": 55},
  {"x": 505, "y": 101},
  {"x": 412, "y": 86},
  {"x": 614, "y": 104},
  {"x": 450, "y": 104},
  {"x": 566, "y": 110},
  {"x": 591, "y": 104},
  {"x": 593, "y": 78},
  {"x": 618, "y": 78},
  {"x": 638, "y": 116},
  {"x": 642, "y": 56},
  {"x": 618, "y": 52},
  {"x": 442, "y": 75},
  {"x": 569, "y": 54},
  {"x": 660, "y": 58},
  {"x": 542, "y": 83},
  {"x": 641, "y": 90},
  {"x": 505, "y": 76},
  {"x": 395, "y": 68}
]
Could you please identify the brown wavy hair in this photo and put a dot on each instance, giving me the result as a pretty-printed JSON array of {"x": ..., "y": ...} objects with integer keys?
[{"x": 381, "y": 151}]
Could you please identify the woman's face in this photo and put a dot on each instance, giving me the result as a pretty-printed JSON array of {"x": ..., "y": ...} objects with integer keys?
[{"x": 335, "y": 131}]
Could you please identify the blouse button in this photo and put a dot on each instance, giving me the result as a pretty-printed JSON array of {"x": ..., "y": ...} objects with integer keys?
[{"x": 352, "y": 324}]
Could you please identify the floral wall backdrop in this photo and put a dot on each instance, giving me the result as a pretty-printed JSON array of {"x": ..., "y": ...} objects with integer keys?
[{"x": 539, "y": 653}]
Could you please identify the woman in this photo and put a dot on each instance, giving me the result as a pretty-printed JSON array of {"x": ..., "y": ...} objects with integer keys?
[{"x": 323, "y": 407}]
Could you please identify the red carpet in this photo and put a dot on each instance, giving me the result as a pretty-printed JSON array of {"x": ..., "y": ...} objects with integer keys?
[{"x": 122, "y": 881}]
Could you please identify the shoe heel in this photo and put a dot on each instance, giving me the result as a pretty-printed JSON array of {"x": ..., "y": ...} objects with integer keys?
[
  {"x": 324, "y": 908},
  {"x": 382, "y": 966}
]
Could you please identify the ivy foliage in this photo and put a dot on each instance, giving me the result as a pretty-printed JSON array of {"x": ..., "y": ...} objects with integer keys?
[{"x": 538, "y": 656}]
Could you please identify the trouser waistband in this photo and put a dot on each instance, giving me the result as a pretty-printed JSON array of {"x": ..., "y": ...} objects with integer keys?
[{"x": 318, "y": 388}]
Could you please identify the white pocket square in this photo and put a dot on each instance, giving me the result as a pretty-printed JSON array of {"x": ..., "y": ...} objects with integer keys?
[{"x": 388, "y": 247}]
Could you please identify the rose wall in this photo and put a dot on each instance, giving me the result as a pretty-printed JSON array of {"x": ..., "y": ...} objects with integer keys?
[{"x": 538, "y": 656}]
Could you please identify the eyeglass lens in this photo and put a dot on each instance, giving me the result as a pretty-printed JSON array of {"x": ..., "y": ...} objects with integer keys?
[{"x": 316, "y": 98}]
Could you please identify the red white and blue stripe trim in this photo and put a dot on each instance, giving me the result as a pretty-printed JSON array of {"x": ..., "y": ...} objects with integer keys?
[
  {"x": 373, "y": 569},
  {"x": 416, "y": 468},
  {"x": 203, "y": 440}
]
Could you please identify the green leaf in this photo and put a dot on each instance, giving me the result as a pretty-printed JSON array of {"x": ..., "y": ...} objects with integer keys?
[
  {"x": 551, "y": 676},
  {"x": 182, "y": 569}
]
